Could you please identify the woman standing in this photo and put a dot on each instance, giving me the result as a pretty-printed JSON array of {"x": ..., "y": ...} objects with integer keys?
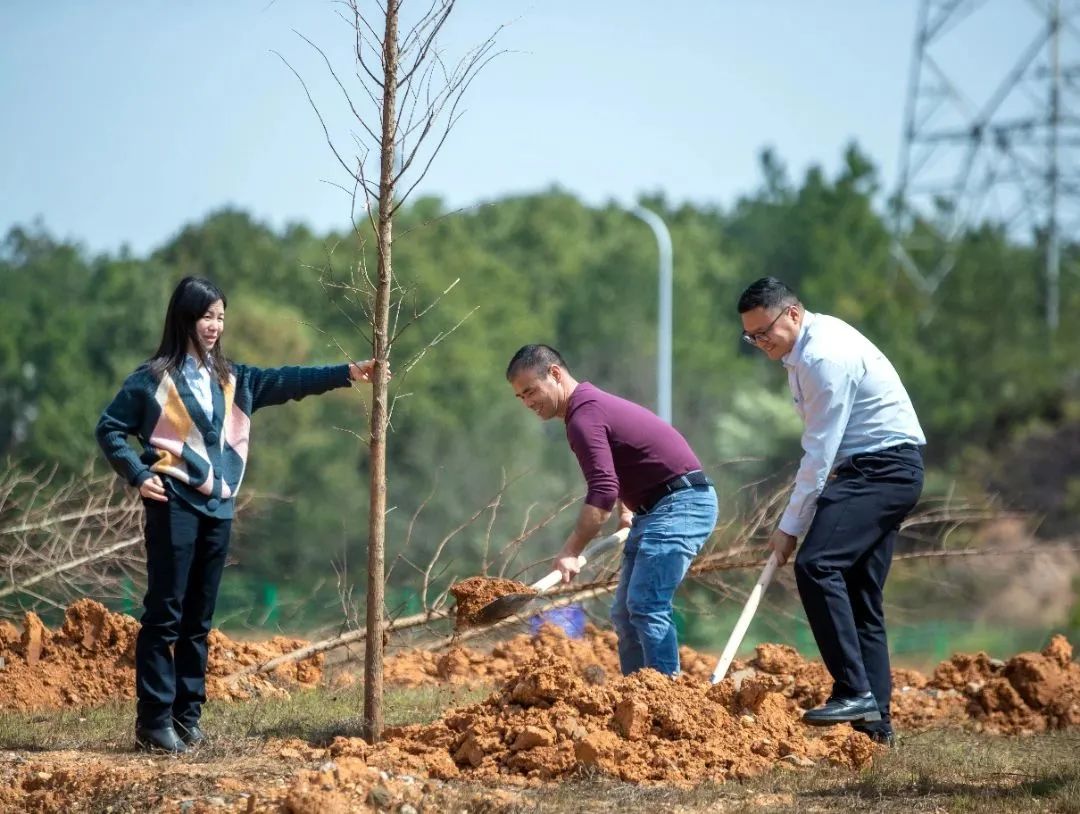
[{"x": 191, "y": 410}]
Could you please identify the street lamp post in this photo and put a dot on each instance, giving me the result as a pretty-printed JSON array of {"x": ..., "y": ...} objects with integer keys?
[{"x": 663, "y": 344}]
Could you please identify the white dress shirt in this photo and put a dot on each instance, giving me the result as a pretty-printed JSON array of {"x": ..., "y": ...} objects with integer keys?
[
  {"x": 198, "y": 379},
  {"x": 851, "y": 401}
]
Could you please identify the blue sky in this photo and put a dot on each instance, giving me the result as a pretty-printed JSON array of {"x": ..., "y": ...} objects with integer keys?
[{"x": 122, "y": 121}]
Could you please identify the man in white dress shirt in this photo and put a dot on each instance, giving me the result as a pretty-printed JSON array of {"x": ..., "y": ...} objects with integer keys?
[{"x": 860, "y": 476}]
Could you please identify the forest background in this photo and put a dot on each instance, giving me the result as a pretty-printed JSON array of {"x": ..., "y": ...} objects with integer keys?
[{"x": 998, "y": 393}]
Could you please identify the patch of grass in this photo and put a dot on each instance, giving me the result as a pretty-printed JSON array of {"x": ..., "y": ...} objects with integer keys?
[
  {"x": 968, "y": 772},
  {"x": 932, "y": 772},
  {"x": 316, "y": 716},
  {"x": 102, "y": 727}
]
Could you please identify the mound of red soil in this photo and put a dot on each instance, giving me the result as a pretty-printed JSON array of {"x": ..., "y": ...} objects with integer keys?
[
  {"x": 91, "y": 660},
  {"x": 475, "y": 593},
  {"x": 548, "y": 722},
  {"x": 593, "y": 656},
  {"x": 1031, "y": 692}
]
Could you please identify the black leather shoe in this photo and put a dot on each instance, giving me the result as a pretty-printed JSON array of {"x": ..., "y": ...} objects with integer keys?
[
  {"x": 192, "y": 735},
  {"x": 159, "y": 740},
  {"x": 861, "y": 709},
  {"x": 878, "y": 736},
  {"x": 883, "y": 738}
]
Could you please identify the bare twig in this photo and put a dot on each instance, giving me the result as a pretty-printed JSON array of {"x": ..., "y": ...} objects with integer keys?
[
  {"x": 65, "y": 538},
  {"x": 78, "y": 562}
]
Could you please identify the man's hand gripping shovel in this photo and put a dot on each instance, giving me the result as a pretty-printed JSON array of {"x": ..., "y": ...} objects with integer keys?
[{"x": 513, "y": 604}]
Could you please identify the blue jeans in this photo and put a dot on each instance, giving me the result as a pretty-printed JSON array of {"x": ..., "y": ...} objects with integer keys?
[{"x": 657, "y": 554}]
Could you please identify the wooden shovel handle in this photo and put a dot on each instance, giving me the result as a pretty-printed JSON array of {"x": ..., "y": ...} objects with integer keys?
[{"x": 744, "y": 620}]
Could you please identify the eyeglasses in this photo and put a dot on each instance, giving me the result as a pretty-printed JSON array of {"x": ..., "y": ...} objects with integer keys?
[{"x": 759, "y": 336}]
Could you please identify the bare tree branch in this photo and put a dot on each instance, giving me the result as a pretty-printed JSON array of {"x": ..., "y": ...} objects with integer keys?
[
  {"x": 326, "y": 130},
  {"x": 69, "y": 538},
  {"x": 86, "y": 559},
  {"x": 344, "y": 92}
]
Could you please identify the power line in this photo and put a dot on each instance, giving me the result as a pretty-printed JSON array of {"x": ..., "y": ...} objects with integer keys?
[{"x": 999, "y": 149}]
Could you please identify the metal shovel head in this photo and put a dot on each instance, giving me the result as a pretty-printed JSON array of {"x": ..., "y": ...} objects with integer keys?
[
  {"x": 504, "y": 607},
  {"x": 513, "y": 604}
]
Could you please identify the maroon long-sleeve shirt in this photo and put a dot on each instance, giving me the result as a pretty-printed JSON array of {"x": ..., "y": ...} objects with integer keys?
[{"x": 624, "y": 450}]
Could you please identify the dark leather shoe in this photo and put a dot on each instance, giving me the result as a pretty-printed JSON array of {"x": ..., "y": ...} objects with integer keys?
[
  {"x": 159, "y": 740},
  {"x": 883, "y": 738},
  {"x": 192, "y": 735},
  {"x": 879, "y": 736},
  {"x": 861, "y": 709}
]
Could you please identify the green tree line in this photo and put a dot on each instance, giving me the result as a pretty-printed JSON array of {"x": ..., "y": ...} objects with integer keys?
[{"x": 996, "y": 392}]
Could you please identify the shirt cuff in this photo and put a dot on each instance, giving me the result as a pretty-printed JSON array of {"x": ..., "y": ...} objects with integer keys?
[
  {"x": 598, "y": 500},
  {"x": 791, "y": 524}
]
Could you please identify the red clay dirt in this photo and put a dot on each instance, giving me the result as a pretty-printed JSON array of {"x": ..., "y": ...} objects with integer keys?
[
  {"x": 90, "y": 661},
  {"x": 1029, "y": 693},
  {"x": 546, "y": 722},
  {"x": 560, "y": 708},
  {"x": 475, "y": 593},
  {"x": 593, "y": 656},
  {"x": 70, "y": 781}
]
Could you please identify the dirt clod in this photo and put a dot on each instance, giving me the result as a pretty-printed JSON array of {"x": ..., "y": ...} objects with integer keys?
[
  {"x": 546, "y": 722},
  {"x": 90, "y": 660},
  {"x": 475, "y": 593}
]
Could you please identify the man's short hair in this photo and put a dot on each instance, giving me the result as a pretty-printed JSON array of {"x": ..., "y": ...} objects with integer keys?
[
  {"x": 767, "y": 293},
  {"x": 535, "y": 358}
]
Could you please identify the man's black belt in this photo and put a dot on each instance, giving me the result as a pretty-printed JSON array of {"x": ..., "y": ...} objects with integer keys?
[
  {"x": 885, "y": 451},
  {"x": 695, "y": 478}
]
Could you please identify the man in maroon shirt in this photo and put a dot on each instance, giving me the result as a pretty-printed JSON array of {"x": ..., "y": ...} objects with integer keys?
[{"x": 631, "y": 457}]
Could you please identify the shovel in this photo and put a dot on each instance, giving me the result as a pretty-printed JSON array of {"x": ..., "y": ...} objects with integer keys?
[
  {"x": 513, "y": 604},
  {"x": 744, "y": 620}
]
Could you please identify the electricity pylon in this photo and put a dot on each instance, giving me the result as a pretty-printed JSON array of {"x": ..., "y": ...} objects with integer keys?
[{"x": 998, "y": 146}]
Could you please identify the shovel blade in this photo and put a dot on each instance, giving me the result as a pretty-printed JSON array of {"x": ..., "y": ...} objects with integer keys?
[
  {"x": 513, "y": 604},
  {"x": 503, "y": 607}
]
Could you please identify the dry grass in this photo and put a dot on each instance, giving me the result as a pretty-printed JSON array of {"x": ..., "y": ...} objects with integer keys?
[
  {"x": 941, "y": 771},
  {"x": 315, "y": 716}
]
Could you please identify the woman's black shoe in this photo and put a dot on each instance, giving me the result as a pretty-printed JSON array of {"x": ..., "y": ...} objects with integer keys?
[
  {"x": 191, "y": 735},
  {"x": 159, "y": 740}
]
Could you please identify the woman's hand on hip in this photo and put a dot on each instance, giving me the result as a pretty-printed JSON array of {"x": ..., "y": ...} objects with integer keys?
[{"x": 153, "y": 489}]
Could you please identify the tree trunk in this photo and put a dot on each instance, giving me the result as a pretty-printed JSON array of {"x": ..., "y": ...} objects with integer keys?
[{"x": 373, "y": 651}]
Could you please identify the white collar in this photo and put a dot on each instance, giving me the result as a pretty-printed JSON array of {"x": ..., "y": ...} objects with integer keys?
[
  {"x": 793, "y": 356},
  {"x": 196, "y": 366}
]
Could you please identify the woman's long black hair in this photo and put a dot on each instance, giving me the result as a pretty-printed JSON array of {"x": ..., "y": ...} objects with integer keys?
[{"x": 191, "y": 299}]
